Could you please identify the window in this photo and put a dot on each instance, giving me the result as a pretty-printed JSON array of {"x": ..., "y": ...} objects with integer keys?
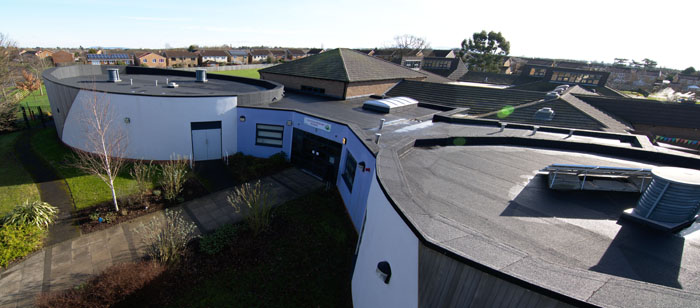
[
  {"x": 349, "y": 171},
  {"x": 412, "y": 63},
  {"x": 269, "y": 135},
  {"x": 313, "y": 89},
  {"x": 538, "y": 72},
  {"x": 161, "y": 60},
  {"x": 154, "y": 60}
]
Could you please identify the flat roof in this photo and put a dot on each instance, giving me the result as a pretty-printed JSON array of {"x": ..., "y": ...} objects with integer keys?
[
  {"x": 488, "y": 204},
  {"x": 142, "y": 81},
  {"x": 146, "y": 85}
]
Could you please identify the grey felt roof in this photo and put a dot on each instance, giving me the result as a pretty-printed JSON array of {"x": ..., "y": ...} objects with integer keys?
[
  {"x": 343, "y": 65},
  {"x": 480, "y": 100}
]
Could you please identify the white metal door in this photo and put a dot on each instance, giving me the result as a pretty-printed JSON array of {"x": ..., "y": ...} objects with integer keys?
[
  {"x": 199, "y": 144},
  {"x": 213, "y": 143}
]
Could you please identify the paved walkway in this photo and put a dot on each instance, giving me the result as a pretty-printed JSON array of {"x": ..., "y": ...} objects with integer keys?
[
  {"x": 52, "y": 189},
  {"x": 72, "y": 262}
]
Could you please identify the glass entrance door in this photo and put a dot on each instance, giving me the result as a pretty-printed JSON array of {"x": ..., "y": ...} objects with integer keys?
[{"x": 318, "y": 155}]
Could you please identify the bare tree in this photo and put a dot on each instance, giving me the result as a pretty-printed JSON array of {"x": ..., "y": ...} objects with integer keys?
[
  {"x": 105, "y": 142},
  {"x": 408, "y": 44},
  {"x": 8, "y": 54}
]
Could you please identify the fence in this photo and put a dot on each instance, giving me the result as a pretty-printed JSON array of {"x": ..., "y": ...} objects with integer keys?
[
  {"x": 33, "y": 117},
  {"x": 226, "y": 67}
]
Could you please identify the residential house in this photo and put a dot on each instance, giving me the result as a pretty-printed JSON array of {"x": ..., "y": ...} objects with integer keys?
[
  {"x": 180, "y": 58},
  {"x": 340, "y": 73},
  {"x": 278, "y": 54},
  {"x": 627, "y": 78},
  {"x": 239, "y": 56},
  {"x": 682, "y": 81},
  {"x": 443, "y": 53},
  {"x": 294, "y": 53},
  {"x": 150, "y": 59},
  {"x": 260, "y": 55},
  {"x": 450, "y": 68},
  {"x": 109, "y": 59},
  {"x": 213, "y": 57},
  {"x": 62, "y": 58},
  {"x": 314, "y": 51},
  {"x": 43, "y": 54},
  {"x": 28, "y": 55}
]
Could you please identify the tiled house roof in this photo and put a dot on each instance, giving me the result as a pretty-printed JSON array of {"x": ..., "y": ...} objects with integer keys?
[{"x": 343, "y": 65}]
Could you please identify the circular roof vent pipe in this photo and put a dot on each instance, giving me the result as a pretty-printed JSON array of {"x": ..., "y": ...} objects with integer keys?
[
  {"x": 113, "y": 75},
  {"x": 672, "y": 198},
  {"x": 201, "y": 75}
]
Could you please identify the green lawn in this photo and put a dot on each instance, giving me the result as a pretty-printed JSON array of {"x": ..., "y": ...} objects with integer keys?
[
  {"x": 36, "y": 99},
  {"x": 87, "y": 190},
  {"x": 304, "y": 260},
  {"x": 251, "y": 73},
  {"x": 16, "y": 185}
]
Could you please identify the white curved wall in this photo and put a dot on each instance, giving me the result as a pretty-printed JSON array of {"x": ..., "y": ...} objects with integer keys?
[
  {"x": 385, "y": 238},
  {"x": 159, "y": 126}
]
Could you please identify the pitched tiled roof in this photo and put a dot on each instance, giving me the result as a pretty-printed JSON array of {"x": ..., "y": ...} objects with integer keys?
[
  {"x": 278, "y": 52},
  {"x": 543, "y": 62},
  {"x": 343, "y": 65},
  {"x": 490, "y": 78},
  {"x": 479, "y": 100},
  {"x": 179, "y": 53},
  {"x": 238, "y": 52},
  {"x": 296, "y": 52},
  {"x": 214, "y": 53},
  {"x": 260, "y": 52},
  {"x": 117, "y": 56},
  {"x": 649, "y": 112}
]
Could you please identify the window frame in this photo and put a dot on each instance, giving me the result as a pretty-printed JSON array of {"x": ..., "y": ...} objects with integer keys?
[
  {"x": 268, "y": 128},
  {"x": 350, "y": 163}
]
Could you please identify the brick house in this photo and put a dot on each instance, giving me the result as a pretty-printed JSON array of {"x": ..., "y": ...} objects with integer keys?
[
  {"x": 259, "y": 55},
  {"x": 239, "y": 56},
  {"x": 213, "y": 57},
  {"x": 62, "y": 58},
  {"x": 180, "y": 58},
  {"x": 279, "y": 54},
  {"x": 294, "y": 53},
  {"x": 150, "y": 59},
  {"x": 340, "y": 73}
]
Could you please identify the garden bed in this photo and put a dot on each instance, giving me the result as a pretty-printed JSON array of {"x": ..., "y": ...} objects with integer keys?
[
  {"x": 305, "y": 259},
  {"x": 89, "y": 222}
]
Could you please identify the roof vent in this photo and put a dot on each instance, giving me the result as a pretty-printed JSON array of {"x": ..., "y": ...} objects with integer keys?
[
  {"x": 672, "y": 198},
  {"x": 551, "y": 95},
  {"x": 544, "y": 114},
  {"x": 564, "y": 87},
  {"x": 173, "y": 85},
  {"x": 113, "y": 75},
  {"x": 201, "y": 75},
  {"x": 388, "y": 105}
]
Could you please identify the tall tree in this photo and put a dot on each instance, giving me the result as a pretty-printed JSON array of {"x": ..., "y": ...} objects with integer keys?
[
  {"x": 408, "y": 44},
  {"x": 8, "y": 54},
  {"x": 688, "y": 71},
  {"x": 484, "y": 51},
  {"x": 105, "y": 142},
  {"x": 649, "y": 63}
]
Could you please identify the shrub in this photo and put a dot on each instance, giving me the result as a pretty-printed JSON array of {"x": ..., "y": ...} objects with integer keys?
[
  {"x": 174, "y": 175},
  {"x": 17, "y": 241},
  {"x": 256, "y": 198},
  {"x": 213, "y": 243},
  {"x": 109, "y": 288},
  {"x": 166, "y": 240},
  {"x": 143, "y": 174},
  {"x": 36, "y": 213}
]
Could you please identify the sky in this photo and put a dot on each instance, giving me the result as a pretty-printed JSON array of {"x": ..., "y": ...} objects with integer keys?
[{"x": 664, "y": 31}]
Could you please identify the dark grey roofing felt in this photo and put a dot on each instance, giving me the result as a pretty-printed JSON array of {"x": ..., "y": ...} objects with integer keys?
[
  {"x": 486, "y": 204},
  {"x": 343, "y": 65},
  {"x": 440, "y": 53},
  {"x": 480, "y": 100},
  {"x": 649, "y": 112}
]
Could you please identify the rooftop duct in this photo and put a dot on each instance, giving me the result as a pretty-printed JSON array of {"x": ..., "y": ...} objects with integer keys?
[
  {"x": 113, "y": 75},
  {"x": 544, "y": 114},
  {"x": 551, "y": 95},
  {"x": 201, "y": 75},
  {"x": 388, "y": 105},
  {"x": 672, "y": 199}
]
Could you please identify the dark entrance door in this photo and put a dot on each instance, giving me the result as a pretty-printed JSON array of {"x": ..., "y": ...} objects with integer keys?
[{"x": 316, "y": 154}]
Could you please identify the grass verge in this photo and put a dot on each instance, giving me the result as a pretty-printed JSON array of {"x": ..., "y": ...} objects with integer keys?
[
  {"x": 87, "y": 190},
  {"x": 250, "y": 73},
  {"x": 16, "y": 184}
]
